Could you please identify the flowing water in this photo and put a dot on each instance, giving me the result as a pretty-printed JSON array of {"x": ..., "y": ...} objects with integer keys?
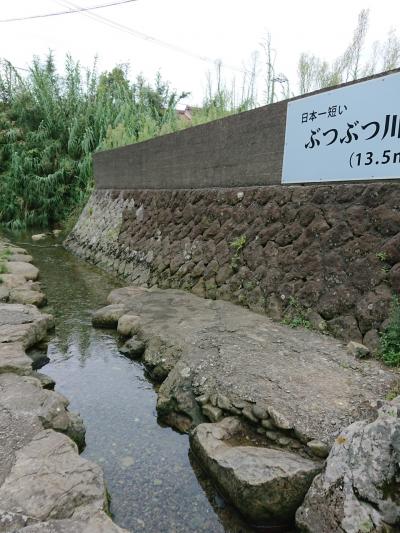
[{"x": 154, "y": 484}]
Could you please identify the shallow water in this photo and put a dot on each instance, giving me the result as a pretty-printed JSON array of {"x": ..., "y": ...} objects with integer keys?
[{"x": 154, "y": 484}]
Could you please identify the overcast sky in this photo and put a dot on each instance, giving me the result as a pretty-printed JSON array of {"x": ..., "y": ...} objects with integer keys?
[{"x": 229, "y": 30}]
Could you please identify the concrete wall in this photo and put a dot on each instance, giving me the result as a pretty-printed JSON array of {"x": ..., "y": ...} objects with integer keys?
[{"x": 239, "y": 151}]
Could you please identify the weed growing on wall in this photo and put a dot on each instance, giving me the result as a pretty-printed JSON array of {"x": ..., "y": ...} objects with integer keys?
[
  {"x": 390, "y": 338},
  {"x": 237, "y": 244},
  {"x": 295, "y": 315}
]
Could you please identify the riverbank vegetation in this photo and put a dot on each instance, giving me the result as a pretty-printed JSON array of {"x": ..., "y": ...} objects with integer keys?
[{"x": 52, "y": 123}]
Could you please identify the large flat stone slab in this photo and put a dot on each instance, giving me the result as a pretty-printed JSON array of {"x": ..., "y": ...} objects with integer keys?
[
  {"x": 14, "y": 359},
  {"x": 27, "y": 295},
  {"x": 24, "y": 269},
  {"x": 24, "y": 396},
  {"x": 60, "y": 481},
  {"x": 265, "y": 484},
  {"x": 23, "y": 323},
  {"x": 213, "y": 355}
]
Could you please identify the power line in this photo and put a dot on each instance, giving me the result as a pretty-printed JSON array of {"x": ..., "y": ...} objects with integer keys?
[
  {"x": 146, "y": 37},
  {"x": 77, "y": 10}
]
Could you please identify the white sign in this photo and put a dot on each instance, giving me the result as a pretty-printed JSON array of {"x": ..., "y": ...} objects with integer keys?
[{"x": 351, "y": 133}]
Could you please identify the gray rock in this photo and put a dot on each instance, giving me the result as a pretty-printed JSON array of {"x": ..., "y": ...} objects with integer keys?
[
  {"x": 128, "y": 325},
  {"x": 14, "y": 359},
  {"x": 133, "y": 347},
  {"x": 358, "y": 491},
  {"x": 272, "y": 435},
  {"x": 46, "y": 381},
  {"x": 24, "y": 324},
  {"x": 357, "y": 349},
  {"x": 279, "y": 420},
  {"x": 247, "y": 412},
  {"x": 21, "y": 268},
  {"x": 38, "y": 236},
  {"x": 264, "y": 484},
  {"x": 27, "y": 296},
  {"x": 267, "y": 424},
  {"x": 4, "y": 293},
  {"x": 23, "y": 395},
  {"x": 107, "y": 317},
  {"x": 318, "y": 448},
  {"x": 121, "y": 295},
  {"x": 259, "y": 411},
  {"x": 10, "y": 281},
  {"x": 98, "y": 523},
  {"x": 203, "y": 399},
  {"x": 224, "y": 403},
  {"x": 59, "y": 480},
  {"x": 212, "y": 413},
  {"x": 306, "y": 379},
  {"x": 25, "y": 258}
]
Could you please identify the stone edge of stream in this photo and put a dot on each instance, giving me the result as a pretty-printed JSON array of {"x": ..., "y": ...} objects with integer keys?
[
  {"x": 326, "y": 491},
  {"x": 44, "y": 483}
]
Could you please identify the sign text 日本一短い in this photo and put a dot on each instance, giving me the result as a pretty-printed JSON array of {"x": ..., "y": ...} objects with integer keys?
[{"x": 349, "y": 133}]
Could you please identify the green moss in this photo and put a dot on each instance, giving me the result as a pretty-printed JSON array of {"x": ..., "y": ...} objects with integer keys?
[{"x": 393, "y": 392}]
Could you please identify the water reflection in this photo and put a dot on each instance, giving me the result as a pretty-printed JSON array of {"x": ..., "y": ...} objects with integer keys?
[{"x": 150, "y": 478}]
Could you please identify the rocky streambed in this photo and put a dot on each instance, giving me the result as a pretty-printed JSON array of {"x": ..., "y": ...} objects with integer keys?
[
  {"x": 153, "y": 482},
  {"x": 286, "y": 422},
  {"x": 44, "y": 484}
]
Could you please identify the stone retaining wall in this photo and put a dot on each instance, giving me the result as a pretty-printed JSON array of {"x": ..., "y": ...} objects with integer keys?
[{"x": 328, "y": 253}]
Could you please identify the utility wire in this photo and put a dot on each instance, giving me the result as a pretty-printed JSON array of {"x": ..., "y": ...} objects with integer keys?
[
  {"x": 77, "y": 10},
  {"x": 146, "y": 37}
]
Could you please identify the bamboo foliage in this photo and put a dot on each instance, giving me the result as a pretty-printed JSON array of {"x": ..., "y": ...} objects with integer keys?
[{"x": 50, "y": 125}]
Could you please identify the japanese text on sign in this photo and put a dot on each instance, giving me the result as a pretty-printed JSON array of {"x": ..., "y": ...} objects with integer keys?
[{"x": 350, "y": 133}]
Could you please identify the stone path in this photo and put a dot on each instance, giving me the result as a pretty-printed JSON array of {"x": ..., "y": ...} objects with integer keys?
[
  {"x": 44, "y": 484},
  {"x": 291, "y": 393},
  {"x": 216, "y": 359}
]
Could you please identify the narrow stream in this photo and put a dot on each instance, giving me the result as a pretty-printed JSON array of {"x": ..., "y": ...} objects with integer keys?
[{"x": 155, "y": 486}]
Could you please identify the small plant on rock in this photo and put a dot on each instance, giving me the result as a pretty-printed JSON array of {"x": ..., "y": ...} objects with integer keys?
[
  {"x": 382, "y": 256},
  {"x": 3, "y": 268},
  {"x": 390, "y": 338},
  {"x": 295, "y": 315},
  {"x": 237, "y": 244}
]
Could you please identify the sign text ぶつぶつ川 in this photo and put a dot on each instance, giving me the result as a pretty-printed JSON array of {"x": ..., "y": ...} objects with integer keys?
[{"x": 349, "y": 133}]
